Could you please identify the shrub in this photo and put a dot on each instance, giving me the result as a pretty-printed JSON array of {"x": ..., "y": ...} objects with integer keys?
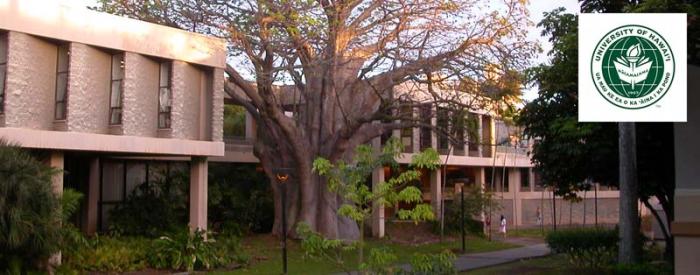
[
  {"x": 475, "y": 201},
  {"x": 240, "y": 199},
  {"x": 425, "y": 264},
  {"x": 585, "y": 247},
  {"x": 642, "y": 269},
  {"x": 154, "y": 208},
  {"x": 194, "y": 250},
  {"x": 29, "y": 210},
  {"x": 110, "y": 254}
]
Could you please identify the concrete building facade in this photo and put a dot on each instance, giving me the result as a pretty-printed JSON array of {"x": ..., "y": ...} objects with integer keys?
[
  {"x": 115, "y": 102},
  {"x": 110, "y": 101}
]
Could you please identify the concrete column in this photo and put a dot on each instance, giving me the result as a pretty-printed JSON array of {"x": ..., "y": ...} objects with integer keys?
[
  {"x": 492, "y": 135},
  {"x": 56, "y": 161},
  {"x": 515, "y": 184},
  {"x": 198, "y": 193},
  {"x": 378, "y": 220},
  {"x": 433, "y": 134},
  {"x": 436, "y": 191},
  {"x": 92, "y": 197},
  {"x": 480, "y": 134}
]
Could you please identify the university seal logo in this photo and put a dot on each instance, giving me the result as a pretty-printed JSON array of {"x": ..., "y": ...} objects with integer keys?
[{"x": 632, "y": 67}]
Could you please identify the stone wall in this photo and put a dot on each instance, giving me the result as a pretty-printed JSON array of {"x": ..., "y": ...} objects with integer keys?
[
  {"x": 569, "y": 213},
  {"x": 140, "y": 105},
  {"x": 31, "y": 82},
  {"x": 89, "y": 89},
  {"x": 187, "y": 85}
]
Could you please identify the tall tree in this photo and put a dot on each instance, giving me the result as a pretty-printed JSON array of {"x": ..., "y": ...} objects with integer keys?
[{"x": 342, "y": 63}]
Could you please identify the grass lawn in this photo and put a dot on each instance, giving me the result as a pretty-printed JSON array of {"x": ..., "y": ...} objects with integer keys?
[
  {"x": 266, "y": 257},
  {"x": 537, "y": 233},
  {"x": 550, "y": 265}
]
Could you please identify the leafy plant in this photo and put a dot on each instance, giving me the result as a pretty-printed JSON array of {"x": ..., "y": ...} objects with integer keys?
[
  {"x": 184, "y": 250},
  {"x": 240, "y": 199},
  {"x": 428, "y": 264},
  {"x": 585, "y": 247},
  {"x": 29, "y": 210},
  {"x": 349, "y": 180},
  {"x": 109, "y": 254},
  {"x": 475, "y": 202}
]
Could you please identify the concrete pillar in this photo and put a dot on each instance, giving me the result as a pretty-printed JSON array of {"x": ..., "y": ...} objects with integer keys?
[
  {"x": 480, "y": 133},
  {"x": 56, "y": 161},
  {"x": 436, "y": 191},
  {"x": 198, "y": 193},
  {"x": 515, "y": 185},
  {"x": 378, "y": 219},
  {"x": 92, "y": 197},
  {"x": 433, "y": 134}
]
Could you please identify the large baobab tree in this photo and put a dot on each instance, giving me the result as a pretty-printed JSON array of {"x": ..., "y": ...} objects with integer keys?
[{"x": 318, "y": 76}]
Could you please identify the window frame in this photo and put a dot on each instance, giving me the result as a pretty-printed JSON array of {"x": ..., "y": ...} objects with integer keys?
[
  {"x": 63, "y": 103},
  {"x": 4, "y": 39},
  {"x": 169, "y": 85},
  {"x": 120, "y": 80}
]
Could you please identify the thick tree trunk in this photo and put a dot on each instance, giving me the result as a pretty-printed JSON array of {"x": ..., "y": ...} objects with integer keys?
[{"x": 630, "y": 246}]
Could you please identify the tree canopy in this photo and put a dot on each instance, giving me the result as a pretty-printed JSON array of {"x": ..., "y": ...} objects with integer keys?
[{"x": 322, "y": 77}]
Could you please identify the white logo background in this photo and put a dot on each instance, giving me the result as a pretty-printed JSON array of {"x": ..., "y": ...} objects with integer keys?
[{"x": 592, "y": 107}]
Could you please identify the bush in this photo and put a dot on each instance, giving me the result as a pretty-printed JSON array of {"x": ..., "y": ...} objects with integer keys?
[
  {"x": 425, "y": 264},
  {"x": 240, "y": 199},
  {"x": 642, "y": 269},
  {"x": 187, "y": 250},
  {"x": 29, "y": 211},
  {"x": 109, "y": 254},
  {"x": 154, "y": 208},
  {"x": 475, "y": 201},
  {"x": 585, "y": 247}
]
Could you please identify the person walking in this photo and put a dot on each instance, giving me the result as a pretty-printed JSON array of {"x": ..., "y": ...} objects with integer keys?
[{"x": 503, "y": 225}]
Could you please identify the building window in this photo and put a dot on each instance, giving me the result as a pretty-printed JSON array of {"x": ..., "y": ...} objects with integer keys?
[
  {"x": 426, "y": 134},
  {"x": 62, "y": 67},
  {"x": 234, "y": 122},
  {"x": 3, "y": 70},
  {"x": 442, "y": 122},
  {"x": 524, "y": 179},
  {"x": 165, "y": 96},
  {"x": 117, "y": 90},
  {"x": 407, "y": 133}
]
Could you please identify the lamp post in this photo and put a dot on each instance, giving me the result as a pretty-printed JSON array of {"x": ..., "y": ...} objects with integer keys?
[{"x": 282, "y": 176}]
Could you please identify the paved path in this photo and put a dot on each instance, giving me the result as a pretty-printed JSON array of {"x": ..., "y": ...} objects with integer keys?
[{"x": 479, "y": 260}]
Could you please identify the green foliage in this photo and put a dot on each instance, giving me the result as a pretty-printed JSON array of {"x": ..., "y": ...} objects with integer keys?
[
  {"x": 184, "y": 250},
  {"x": 642, "y": 269},
  {"x": 349, "y": 180},
  {"x": 154, "y": 207},
  {"x": 428, "y": 264},
  {"x": 109, "y": 254},
  {"x": 29, "y": 210},
  {"x": 476, "y": 200},
  {"x": 234, "y": 121},
  {"x": 585, "y": 247},
  {"x": 240, "y": 199}
]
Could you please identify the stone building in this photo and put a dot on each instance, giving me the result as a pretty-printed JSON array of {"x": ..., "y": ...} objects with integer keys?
[{"x": 110, "y": 101}]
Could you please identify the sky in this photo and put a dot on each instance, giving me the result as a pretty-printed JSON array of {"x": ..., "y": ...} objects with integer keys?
[{"x": 536, "y": 7}]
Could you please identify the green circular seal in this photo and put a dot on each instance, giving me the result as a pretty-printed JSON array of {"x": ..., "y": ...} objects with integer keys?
[{"x": 632, "y": 67}]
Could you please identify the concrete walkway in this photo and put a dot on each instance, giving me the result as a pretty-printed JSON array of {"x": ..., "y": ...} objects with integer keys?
[{"x": 468, "y": 262}]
